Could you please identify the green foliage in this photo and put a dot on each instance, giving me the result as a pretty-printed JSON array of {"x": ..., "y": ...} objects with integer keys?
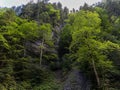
[
  {"x": 41, "y": 12},
  {"x": 65, "y": 40},
  {"x": 47, "y": 33},
  {"x": 29, "y": 30},
  {"x": 18, "y": 70},
  {"x": 47, "y": 86},
  {"x": 86, "y": 45}
]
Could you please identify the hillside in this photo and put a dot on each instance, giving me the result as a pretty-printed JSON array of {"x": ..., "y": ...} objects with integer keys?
[{"x": 44, "y": 46}]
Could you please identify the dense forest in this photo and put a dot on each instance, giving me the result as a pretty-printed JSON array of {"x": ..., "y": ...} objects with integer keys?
[{"x": 44, "y": 46}]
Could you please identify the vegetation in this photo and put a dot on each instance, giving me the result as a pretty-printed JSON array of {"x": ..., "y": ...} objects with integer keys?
[{"x": 39, "y": 39}]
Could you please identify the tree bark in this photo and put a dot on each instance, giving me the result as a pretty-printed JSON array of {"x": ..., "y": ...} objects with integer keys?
[
  {"x": 94, "y": 69},
  {"x": 96, "y": 74},
  {"x": 41, "y": 52},
  {"x": 24, "y": 44}
]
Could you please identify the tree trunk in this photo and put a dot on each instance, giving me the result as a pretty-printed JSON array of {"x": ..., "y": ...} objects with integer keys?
[
  {"x": 41, "y": 52},
  {"x": 96, "y": 74},
  {"x": 94, "y": 69},
  {"x": 24, "y": 44}
]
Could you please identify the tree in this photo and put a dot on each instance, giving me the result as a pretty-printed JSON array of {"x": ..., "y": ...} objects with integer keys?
[
  {"x": 54, "y": 14},
  {"x": 84, "y": 33},
  {"x": 6, "y": 17},
  {"x": 86, "y": 7},
  {"x": 59, "y": 5},
  {"x": 45, "y": 1},
  {"x": 26, "y": 11},
  {"x": 45, "y": 33},
  {"x": 85, "y": 46},
  {"x": 29, "y": 32},
  {"x": 65, "y": 40},
  {"x": 17, "y": 67}
]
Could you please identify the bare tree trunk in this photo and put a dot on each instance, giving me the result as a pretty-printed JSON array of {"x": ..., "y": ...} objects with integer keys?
[
  {"x": 96, "y": 74},
  {"x": 24, "y": 44},
  {"x": 95, "y": 71},
  {"x": 41, "y": 52}
]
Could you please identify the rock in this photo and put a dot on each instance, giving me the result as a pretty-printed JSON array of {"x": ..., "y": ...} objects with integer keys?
[{"x": 76, "y": 81}]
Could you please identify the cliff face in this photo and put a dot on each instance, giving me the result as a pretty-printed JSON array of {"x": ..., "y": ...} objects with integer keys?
[{"x": 76, "y": 80}]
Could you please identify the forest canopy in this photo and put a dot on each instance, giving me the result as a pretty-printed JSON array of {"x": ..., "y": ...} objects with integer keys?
[{"x": 43, "y": 45}]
